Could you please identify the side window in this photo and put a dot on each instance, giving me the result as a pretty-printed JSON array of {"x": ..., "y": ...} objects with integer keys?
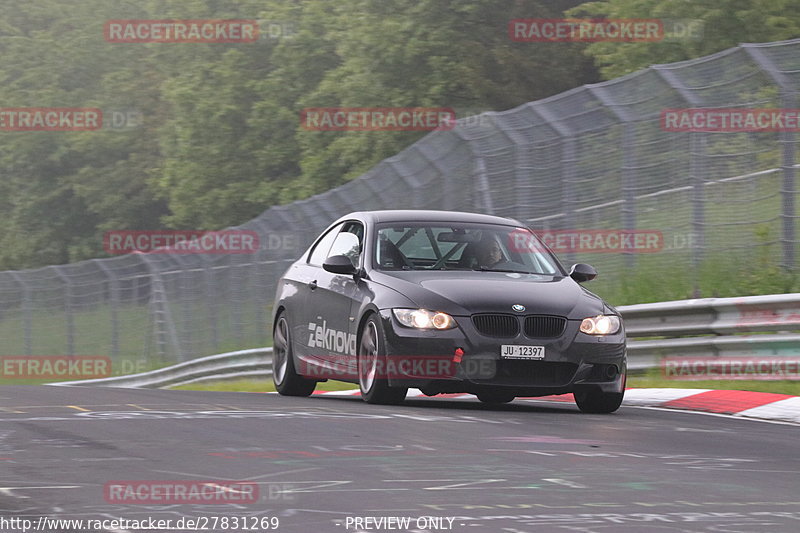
[
  {"x": 320, "y": 252},
  {"x": 348, "y": 242}
]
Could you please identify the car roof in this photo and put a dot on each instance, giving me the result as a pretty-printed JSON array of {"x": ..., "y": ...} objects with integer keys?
[{"x": 423, "y": 215}]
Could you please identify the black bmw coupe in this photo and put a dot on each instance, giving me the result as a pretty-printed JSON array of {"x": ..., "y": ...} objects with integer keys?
[{"x": 445, "y": 302}]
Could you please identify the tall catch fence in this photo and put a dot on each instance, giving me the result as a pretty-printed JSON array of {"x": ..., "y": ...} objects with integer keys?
[{"x": 593, "y": 158}]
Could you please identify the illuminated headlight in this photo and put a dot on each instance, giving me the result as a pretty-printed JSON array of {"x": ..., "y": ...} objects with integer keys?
[
  {"x": 600, "y": 325},
  {"x": 424, "y": 319}
]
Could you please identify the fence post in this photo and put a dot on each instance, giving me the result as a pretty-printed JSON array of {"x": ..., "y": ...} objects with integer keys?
[
  {"x": 70, "y": 320},
  {"x": 451, "y": 188},
  {"x": 114, "y": 301},
  {"x": 27, "y": 319},
  {"x": 629, "y": 174},
  {"x": 211, "y": 303},
  {"x": 569, "y": 171},
  {"x": 788, "y": 141},
  {"x": 697, "y": 150},
  {"x": 161, "y": 315},
  {"x": 569, "y": 160},
  {"x": 697, "y": 175},
  {"x": 482, "y": 186},
  {"x": 789, "y": 214}
]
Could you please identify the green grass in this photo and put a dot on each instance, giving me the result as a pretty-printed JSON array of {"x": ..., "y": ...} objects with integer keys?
[
  {"x": 92, "y": 331},
  {"x": 137, "y": 351},
  {"x": 654, "y": 379}
]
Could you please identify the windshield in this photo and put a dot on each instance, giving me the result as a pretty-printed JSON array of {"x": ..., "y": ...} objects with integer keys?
[{"x": 480, "y": 247}]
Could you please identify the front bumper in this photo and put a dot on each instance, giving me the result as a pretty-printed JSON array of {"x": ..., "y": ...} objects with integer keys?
[{"x": 572, "y": 361}]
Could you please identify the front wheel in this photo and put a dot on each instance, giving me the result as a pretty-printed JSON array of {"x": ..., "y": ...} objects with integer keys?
[
  {"x": 372, "y": 374},
  {"x": 597, "y": 401},
  {"x": 286, "y": 379}
]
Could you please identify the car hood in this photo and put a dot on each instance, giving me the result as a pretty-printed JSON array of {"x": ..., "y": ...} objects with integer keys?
[{"x": 464, "y": 293}]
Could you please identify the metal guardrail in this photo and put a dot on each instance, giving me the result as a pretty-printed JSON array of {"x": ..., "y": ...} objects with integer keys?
[
  {"x": 724, "y": 327},
  {"x": 256, "y": 362}
]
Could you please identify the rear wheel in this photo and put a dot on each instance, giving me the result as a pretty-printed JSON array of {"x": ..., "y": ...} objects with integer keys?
[
  {"x": 372, "y": 375},
  {"x": 495, "y": 397},
  {"x": 287, "y": 381},
  {"x": 597, "y": 401}
]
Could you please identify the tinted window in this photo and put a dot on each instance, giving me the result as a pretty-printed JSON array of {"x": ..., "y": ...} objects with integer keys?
[{"x": 418, "y": 246}]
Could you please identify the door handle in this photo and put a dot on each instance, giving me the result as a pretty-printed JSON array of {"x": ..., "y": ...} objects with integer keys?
[{"x": 313, "y": 285}]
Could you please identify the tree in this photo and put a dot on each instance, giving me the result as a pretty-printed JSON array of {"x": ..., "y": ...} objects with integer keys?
[
  {"x": 63, "y": 188},
  {"x": 725, "y": 24},
  {"x": 437, "y": 53}
]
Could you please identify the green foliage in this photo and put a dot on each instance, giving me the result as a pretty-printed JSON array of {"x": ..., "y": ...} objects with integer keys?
[
  {"x": 220, "y": 139},
  {"x": 725, "y": 23},
  {"x": 62, "y": 189}
]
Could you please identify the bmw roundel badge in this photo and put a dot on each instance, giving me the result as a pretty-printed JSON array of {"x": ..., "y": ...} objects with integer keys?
[{"x": 518, "y": 308}]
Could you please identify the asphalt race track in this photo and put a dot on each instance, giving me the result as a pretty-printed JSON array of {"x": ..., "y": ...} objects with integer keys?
[{"x": 321, "y": 463}]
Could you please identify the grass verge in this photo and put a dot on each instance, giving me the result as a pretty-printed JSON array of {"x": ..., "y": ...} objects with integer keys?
[{"x": 777, "y": 387}]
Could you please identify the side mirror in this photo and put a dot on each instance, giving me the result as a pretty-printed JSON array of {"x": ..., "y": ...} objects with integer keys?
[
  {"x": 581, "y": 272},
  {"x": 339, "y": 264}
]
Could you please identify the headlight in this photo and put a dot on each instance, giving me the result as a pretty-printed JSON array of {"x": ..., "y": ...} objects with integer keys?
[
  {"x": 424, "y": 319},
  {"x": 600, "y": 325}
]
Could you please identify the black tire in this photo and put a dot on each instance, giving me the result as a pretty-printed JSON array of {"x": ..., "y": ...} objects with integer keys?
[
  {"x": 597, "y": 401},
  {"x": 495, "y": 397},
  {"x": 372, "y": 378},
  {"x": 287, "y": 381}
]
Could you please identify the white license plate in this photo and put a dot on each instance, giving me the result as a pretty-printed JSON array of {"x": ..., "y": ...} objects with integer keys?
[{"x": 516, "y": 351}]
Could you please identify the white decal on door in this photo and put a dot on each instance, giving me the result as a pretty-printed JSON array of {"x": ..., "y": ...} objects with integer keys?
[{"x": 331, "y": 339}]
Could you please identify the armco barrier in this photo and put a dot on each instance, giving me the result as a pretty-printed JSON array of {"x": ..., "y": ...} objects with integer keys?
[
  {"x": 724, "y": 327},
  {"x": 256, "y": 362},
  {"x": 766, "y": 326}
]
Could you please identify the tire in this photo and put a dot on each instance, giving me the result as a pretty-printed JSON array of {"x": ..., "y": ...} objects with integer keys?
[
  {"x": 287, "y": 381},
  {"x": 372, "y": 350},
  {"x": 596, "y": 401},
  {"x": 495, "y": 397}
]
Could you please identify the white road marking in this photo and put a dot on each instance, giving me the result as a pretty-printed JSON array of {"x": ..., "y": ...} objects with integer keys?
[
  {"x": 282, "y": 473},
  {"x": 721, "y": 415},
  {"x": 566, "y": 483},
  {"x": 7, "y": 491}
]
